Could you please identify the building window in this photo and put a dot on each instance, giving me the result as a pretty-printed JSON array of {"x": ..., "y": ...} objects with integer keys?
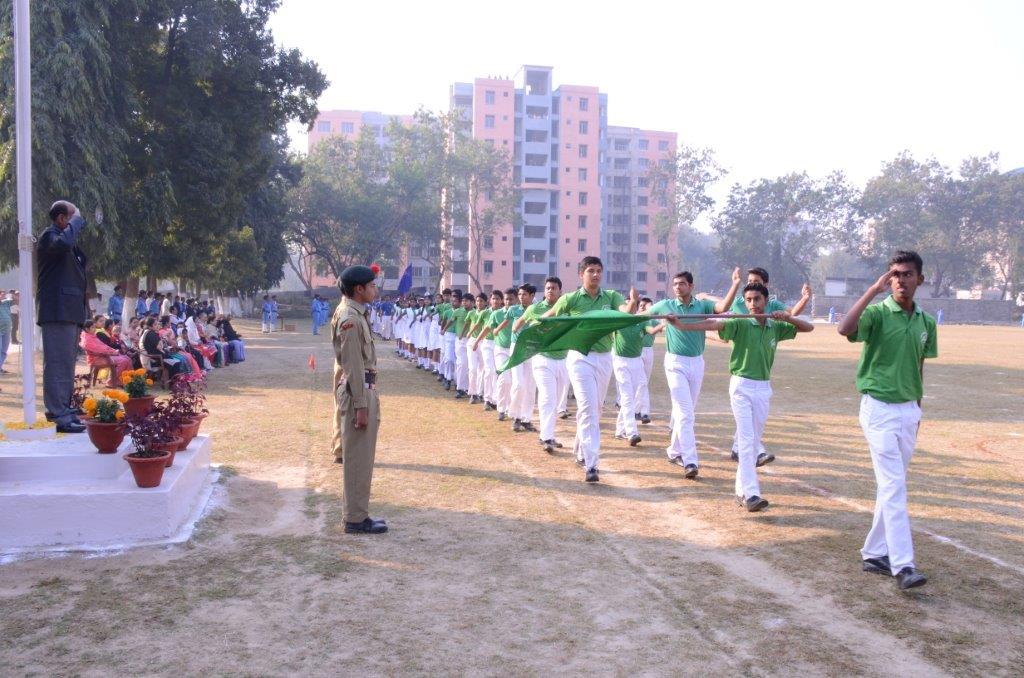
[
  {"x": 489, "y": 121},
  {"x": 584, "y": 127},
  {"x": 504, "y": 262},
  {"x": 641, "y": 276},
  {"x": 641, "y": 257},
  {"x": 642, "y": 144},
  {"x": 643, "y": 162},
  {"x": 488, "y": 266},
  {"x": 641, "y": 201},
  {"x": 641, "y": 220},
  {"x": 582, "y": 221},
  {"x": 583, "y": 197},
  {"x": 662, "y": 145},
  {"x": 662, "y": 276},
  {"x": 488, "y": 242},
  {"x": 641, "y": 239},
  {"x": 583, "y": 150},
  {"x": 584, "y": 102},
  {"x": 489, "y": 96},
  {"x": 582, "y": 245},
  {"x": 582, "y": 174},
  {"x": 323, "y": 126},
  {"x": 417, "y": 271},
  {"x": 661, "y": 257},
  {"x": 348, "y": 128},
  {"x": 642, "y": 182},
  {"x": 622, "y": 144}
]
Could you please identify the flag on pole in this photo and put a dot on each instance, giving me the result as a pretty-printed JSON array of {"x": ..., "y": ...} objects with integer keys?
[
  {"x": 405, "y": 284},
  {"x": 575, "y": 333}
]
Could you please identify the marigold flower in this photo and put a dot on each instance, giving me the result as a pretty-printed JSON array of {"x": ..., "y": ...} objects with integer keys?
[
  {"x": 120, "y": 415},
  {"x": 149, "y": 382}
]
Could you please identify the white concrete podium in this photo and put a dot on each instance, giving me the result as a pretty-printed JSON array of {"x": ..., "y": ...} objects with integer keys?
[{"x": 63, "y": 495}]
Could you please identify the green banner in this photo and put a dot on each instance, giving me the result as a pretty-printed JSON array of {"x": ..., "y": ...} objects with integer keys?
[{"x": 574, "y": 333}]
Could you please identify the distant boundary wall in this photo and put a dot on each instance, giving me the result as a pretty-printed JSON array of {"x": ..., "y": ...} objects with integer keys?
[{"x": 956, "y": 311}]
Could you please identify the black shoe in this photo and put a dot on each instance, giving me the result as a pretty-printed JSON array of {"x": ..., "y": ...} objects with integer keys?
[
  {"x": 764, "y": 458},
  {"x": 488, "y": 407},
  {"x": 549, "y": 446},
  {"x": 48, "y": 415},
  {"x": 677, "y": 461},
  {"x": 563, "y": 415},
  {"x": 528, "y": 426},
  {"x": 517, "y": 426},
  {"x": 636, "y": 415},
  {"x": 557, "y": 444},
  {"x": 908, "y": 578},
  {"x": 754, "y": 504},
  {"x": 472, "y": 400},
  {"x": 691, "y": 471},
  {"x": 71, "y": 427},
  {"x": 447, "y": 384},
  {"x": 645, "y": 419},
  {"x": 502, "y": 416},
  {"x": 878, "y": 566},
  {"x": 592, "y": 475},
  {"x": 368, "y": 526},
  {"x": 339, "y": 460},
  {"x": 459, "y": 395},
  {"x": 735, "y": 456},
  {"x": 635, "y": 440}
]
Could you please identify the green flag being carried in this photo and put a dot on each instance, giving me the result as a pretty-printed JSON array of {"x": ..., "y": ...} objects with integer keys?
[{"x": 561, "y": 333}]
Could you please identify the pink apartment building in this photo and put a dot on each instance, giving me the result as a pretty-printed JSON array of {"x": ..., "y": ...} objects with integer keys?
[{"x": 582, "y": 186}]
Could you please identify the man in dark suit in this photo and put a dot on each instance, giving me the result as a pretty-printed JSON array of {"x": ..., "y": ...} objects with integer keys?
[{"x": 62, "y": 309}]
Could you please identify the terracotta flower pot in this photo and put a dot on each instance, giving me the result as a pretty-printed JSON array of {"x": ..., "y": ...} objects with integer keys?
[
  {"x": 139, "y": 407},
  {"x": 106, "y": 437},
  {"x": 187, "y": 431},
  {"x": 148, "y": 471},
  {"x": 170, "y": 446}
]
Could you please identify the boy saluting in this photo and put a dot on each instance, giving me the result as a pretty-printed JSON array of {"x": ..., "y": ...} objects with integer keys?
[
  {"x": 897, "y": 337},
  {"x": 754, "y": 341}
]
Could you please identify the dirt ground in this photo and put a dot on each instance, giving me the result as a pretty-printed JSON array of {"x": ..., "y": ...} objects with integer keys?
[{"x": 500, "y": 560}]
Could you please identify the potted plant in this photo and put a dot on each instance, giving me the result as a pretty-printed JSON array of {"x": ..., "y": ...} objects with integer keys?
[
  {"x": 105, "y": 422},
  {"x": 188, "y": 404},
  {"x": 136, "y": 384},
  {"x": 169, "y": 424},
  {"x": 147, "y": 462}
]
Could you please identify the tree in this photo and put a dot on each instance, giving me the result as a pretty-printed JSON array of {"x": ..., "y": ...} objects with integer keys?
[
  {"x": 679, "y": 184},
  {"x": 781, "y": 224}
]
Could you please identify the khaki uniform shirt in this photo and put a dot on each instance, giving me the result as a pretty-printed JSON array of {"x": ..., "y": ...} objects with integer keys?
[{"x": 354, "y": 353}]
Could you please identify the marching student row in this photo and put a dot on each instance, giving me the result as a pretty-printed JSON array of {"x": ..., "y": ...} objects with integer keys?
[{"x": 463, "y": 339}]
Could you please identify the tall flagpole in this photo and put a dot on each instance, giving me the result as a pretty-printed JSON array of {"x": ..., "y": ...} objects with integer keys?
[{"x": 23, "y": 146}]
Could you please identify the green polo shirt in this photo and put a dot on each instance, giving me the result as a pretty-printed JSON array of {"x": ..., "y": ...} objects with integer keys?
[
  {"x": 481, "y": 321},
  {"x": 629, "y": 341},
  {"x": 649, "y": 338},
  {"x": 460, "y": 319},
  {"x": 679, "y": 342},
  {"x": 504, "y": 337},
  {"x": 894, "y": 346},
  {"x": 513, "y": 314},
  {"x": 446, "y": 316},
  {"x": 471, "y": 318},
  {"x": 753, "y": 346},
  {"x": 535, "y": 311},
  {"x": 739, "y": 306},
  {"x": 579, "y": 302}
]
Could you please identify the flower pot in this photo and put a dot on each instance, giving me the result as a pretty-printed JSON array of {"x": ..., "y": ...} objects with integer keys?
[
  {"x": 170, "y": 446},
  {"x": 106, "y": 437},
  {"x": 148, "y": 471},
  {"x": 139, "y": 407},
  {"x": 188, "y": 430}
]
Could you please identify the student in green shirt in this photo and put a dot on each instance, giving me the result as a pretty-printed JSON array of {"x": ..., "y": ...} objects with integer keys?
[
  {"x": 448, "y": 339},
  {"x": 643, "y": 412},
  {"x": 628, "y": 368},
  {"x": 500, "y": 328},
  {"x": 754, "y": 341},
  {"x": 485, "y": 344},
  {"x": 474, "y": 323},
  {"x": 461, "y": 356},
  {"x": 590, "y": 373},
  {"x": 524, "y": 390},
  {"x": 549, "y": 371},
  {"x": 897, "y": 337}
]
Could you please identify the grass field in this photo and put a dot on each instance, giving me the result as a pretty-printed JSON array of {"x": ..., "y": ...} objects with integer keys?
[{"x": 500, "y": 560}]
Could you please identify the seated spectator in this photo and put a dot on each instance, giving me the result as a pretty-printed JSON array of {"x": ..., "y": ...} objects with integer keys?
[
  {"x": 236, "y": 346},
  {"x": 151, "y": 343},
  {"x": 99, "y": 354}
]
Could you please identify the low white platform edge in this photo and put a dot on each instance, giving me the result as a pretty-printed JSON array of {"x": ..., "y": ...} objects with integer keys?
[{"x": 99, "y": 512}]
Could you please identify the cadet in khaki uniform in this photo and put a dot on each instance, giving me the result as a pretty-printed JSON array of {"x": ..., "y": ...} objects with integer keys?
[{"x": 355, "y": 395}]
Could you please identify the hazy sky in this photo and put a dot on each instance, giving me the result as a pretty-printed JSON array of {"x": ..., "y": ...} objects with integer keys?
[{"x": 772, "y": 87}]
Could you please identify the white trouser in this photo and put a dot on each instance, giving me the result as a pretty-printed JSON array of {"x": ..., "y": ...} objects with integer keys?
[
  {"x": 434, "y": 340},
  {"x": 448, "y": 355},
  {"x": 473, "y": 363},
  {"x": 749, "y": 400},
  {"x": 563, "y": 395},
  {"x": 552, "y": 380},
  {"x": 387, "y": 327},
  {"x": 461, "y": 365},
  {"x": 645, "y": 393},
  {"x": 629, "y": 379},
  {"x": 589, "y": 375},
  {"x": 503, "y": 381},
  {"x": 684, "y": 375},
  {"x": 489, "y": 376},
  {"x": 891, "y": 432},
  {"x": 524, "y": 390}
]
